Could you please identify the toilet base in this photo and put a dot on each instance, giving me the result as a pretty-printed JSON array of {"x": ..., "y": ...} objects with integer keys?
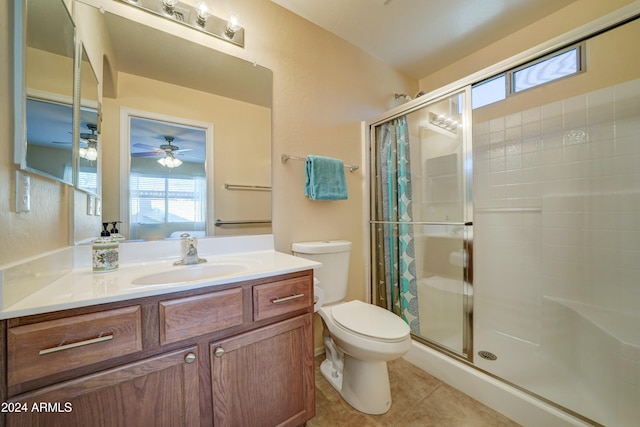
[
  {"x": 362, "y": 384},
  {"x": 330, "y": 374}
]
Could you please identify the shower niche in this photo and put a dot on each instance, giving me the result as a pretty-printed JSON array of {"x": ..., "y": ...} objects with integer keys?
[{"x": 442, "y": 186}]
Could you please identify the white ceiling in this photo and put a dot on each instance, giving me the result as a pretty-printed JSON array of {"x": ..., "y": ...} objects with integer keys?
[{"x": 422, "y": 36}]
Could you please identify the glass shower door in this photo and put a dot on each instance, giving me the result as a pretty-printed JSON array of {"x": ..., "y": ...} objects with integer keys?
[{"x": 421, "y": 221}]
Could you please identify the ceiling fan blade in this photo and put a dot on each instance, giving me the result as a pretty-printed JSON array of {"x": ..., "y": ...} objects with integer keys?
[
  {"x": 147, "y": 154},
  {"x": 145, "y": 146},
  {"x": 182, "y": 150},
  {"x": 193, "y": 159}
]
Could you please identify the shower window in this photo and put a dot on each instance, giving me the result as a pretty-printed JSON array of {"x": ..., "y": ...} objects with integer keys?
[{"x": 547, "y": 69}]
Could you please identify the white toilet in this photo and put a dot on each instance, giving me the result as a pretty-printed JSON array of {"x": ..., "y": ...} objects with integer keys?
[{"x": 359, "y": 338}]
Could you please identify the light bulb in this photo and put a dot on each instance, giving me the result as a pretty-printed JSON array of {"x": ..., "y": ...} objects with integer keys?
[
  {"x": 169, "y": 161},
  {"x": 232, "y": 26},
  {"x": 203, "y": 10},
  {"x": 91, "y": 154},
  {"x": 169, "y": 6}
]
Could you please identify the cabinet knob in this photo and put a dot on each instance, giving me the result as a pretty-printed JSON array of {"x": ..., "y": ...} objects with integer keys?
[
  {"x": 190, "y": 358},
  {"x": 218, "y": 352}
]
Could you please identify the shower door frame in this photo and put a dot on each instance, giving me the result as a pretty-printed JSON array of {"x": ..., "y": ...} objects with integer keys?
[{"x": 467, "y": 210}]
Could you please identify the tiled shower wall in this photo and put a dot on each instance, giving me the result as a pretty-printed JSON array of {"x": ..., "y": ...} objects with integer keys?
[
  {"x": 559, "y": 185},
  {"x": 557, "y": 214}
]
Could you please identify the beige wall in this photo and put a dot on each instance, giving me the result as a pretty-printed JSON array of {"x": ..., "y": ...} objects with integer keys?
[{"x": 566, "y": 19}]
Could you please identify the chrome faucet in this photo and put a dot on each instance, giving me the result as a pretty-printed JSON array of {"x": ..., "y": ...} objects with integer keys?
[{"x": 189, "y": 251}]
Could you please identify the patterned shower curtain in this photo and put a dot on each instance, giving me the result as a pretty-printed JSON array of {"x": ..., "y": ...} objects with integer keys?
[{"x": 396, "y": 287}]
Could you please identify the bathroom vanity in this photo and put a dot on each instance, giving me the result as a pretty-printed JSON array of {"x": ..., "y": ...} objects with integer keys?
[{"x": 234, "y": 353}]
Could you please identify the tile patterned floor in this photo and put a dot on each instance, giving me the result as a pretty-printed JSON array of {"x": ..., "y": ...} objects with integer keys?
[{"x": 419, "y": 400}]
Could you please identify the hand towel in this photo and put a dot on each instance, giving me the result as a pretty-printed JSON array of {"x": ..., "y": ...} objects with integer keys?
[{"x": 325, "y": 179}]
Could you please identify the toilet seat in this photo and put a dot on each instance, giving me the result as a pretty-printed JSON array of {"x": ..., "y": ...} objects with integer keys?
[{"x": 370, "y": 321}]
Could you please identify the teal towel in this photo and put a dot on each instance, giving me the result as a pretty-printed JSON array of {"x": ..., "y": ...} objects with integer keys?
[{"x": 325, "y": 179}]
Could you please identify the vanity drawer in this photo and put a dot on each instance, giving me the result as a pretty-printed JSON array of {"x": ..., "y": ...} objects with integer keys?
[
  {"x": 46, "y": 348},
  {"x": 188, "y": 317},
  {"x": 284, "y": 296}
]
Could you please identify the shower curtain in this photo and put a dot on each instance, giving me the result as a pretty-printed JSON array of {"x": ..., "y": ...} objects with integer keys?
[{"x": 396, "y": 275}]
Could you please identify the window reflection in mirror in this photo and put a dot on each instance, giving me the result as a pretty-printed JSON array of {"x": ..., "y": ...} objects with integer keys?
[
  {"x": 49, "y": 138},
  {"x": 168, "y": 180}
]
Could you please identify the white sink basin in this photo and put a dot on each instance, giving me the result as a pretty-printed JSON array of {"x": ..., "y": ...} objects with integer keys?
[{"x": 189, "y": 273}]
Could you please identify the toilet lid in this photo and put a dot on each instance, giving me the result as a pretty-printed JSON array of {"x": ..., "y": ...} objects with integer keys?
[{"x": 370, "y": 320}]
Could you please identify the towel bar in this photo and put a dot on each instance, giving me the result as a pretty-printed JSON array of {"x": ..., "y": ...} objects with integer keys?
[
  {"x": 246, "y": 187},
  {"x": 285, "y": 157},
  {"x": 220, "y": 222}
]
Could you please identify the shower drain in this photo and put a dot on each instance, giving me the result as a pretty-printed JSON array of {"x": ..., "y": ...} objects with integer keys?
[{"x": 487, "y": 355}]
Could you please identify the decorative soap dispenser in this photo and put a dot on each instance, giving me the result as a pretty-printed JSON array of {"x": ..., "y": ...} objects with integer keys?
[
  {"x": 105, "y": 252},
  {"x": 115, "y": 234}
]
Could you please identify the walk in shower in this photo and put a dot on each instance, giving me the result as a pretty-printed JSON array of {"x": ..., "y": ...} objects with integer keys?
[{"x": 505, "y": 221}]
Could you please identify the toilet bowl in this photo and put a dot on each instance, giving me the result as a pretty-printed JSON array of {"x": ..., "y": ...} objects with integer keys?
[
  {"x": 359, "y": 338},
  {"x": 365, "y": 331}
]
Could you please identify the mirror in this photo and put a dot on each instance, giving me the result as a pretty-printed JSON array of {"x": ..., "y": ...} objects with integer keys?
[
  {"x": 44, "y": 139},
  {"x": 87, "y": 178},
  {"x": 156, "y": 73}
]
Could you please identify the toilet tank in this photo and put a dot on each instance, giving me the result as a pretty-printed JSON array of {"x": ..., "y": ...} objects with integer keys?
[{"x": 334, "y": 273}]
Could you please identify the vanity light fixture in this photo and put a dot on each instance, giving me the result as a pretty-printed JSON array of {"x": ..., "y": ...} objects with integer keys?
[
  {"x": 170, "y": 161},
  {"x": 444, "y": 122},
  {"x": 198, "y": 17}
]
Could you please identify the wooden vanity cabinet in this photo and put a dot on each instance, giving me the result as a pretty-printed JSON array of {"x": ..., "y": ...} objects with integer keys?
[
  {"x": 217, "y": 356},
  {"x": 159, "y": 391},
  {"x": 271, "y": 390}
]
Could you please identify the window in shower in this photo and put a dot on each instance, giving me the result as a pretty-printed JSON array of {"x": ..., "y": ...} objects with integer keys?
[
  {"x": 547, "y": 69},
  {"x": 489, "y": 91}
]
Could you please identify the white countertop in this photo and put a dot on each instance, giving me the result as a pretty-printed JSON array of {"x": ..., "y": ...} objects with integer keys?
[{"x": 80, "y": 286}]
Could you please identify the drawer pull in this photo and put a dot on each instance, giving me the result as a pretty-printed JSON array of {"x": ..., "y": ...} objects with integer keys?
[
  {"x": 218, "y": 352},
  {"x": 285, "y": 299},
  {"x": 76, "y": 344},
  {"x": 189, "y": 358}
]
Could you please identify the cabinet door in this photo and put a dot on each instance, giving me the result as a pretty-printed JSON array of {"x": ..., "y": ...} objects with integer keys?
[
  {"x": 159, "y": 391},
  {"x": 265, "y": 377}
]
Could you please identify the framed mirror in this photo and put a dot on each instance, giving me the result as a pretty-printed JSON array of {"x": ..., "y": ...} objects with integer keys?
[
  {"x": 87, "y": 171},
  {"x": 45, "y": 63}
]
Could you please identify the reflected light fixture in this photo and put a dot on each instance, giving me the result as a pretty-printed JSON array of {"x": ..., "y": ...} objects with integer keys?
[
  {"x": 170, "y": 161},
  {"x": 91, "y": 151},
  {"x": 444, "y": 122},
  {"x": 198, "y": 17}
]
